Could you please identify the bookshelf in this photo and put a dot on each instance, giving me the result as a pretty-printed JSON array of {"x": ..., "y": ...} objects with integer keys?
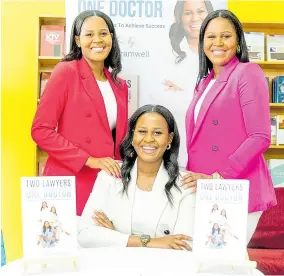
[
  {"x": 44, "y": 64},
  {"x": 271, "y": 70}
]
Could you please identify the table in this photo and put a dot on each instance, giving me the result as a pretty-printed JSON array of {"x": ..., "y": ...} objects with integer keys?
[{"x": 120, "y": 261}]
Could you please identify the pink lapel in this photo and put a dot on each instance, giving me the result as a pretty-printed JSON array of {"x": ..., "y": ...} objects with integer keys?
[{"x": 210, "y": 97}]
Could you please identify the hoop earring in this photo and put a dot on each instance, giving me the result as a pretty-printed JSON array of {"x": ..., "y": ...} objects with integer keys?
[
  {"x": 169, "y": 146},
  {"x": 238, "y": 49}
]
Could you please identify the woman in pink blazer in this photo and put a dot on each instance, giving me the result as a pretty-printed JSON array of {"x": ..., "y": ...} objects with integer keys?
[
  {"x": 228, "y": 120},
  {"x": 82, "y": 115}
]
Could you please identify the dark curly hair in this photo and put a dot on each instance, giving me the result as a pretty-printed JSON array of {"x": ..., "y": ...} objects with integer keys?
[
  {"x": 129, "y": 155},
  {"x": 205, "y": 65},
  {"x": 113, "y": 60},
  {"x": 177, "y": 32}
]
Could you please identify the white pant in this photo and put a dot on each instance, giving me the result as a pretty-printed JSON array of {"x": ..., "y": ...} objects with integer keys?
[{"x": 252, "y": 222}]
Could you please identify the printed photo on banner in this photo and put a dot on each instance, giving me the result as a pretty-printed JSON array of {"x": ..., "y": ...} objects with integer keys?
[
  {"x": 159, "y": 44},
  {"x": 48, "y": 216}
]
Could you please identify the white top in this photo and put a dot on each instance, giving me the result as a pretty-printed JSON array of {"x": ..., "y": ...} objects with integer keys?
[
  {"x": 201, "y": 99},
  {"x": 110, "y": 102},
  {"x": 140, "y": 213}
]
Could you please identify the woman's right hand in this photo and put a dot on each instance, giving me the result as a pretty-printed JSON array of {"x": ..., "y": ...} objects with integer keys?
[
  {"x": 177, "y": 242},
  {"x": 107, "y": 164}
]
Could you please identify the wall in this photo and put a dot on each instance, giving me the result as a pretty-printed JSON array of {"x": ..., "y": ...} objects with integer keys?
[
  {"x": 18, "y": 106},
  {"x": 19, "y": 19}
]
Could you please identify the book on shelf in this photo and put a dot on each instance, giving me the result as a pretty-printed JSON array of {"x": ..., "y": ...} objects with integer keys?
[
  {"x": 44, "y": 77},
  {"x": 276, "y": 168},
  {"x": 48, "y": 216},
  {"x": 255, "y": 43},
  {"x": 52, "y": 40},
  {"x": 275, "y": 47},
  {"x": 280, "y": 130},
  {"x": 273, "y": 124},
  {"x": 220, "y": 227},
  {"x": 278, "y": 89}
]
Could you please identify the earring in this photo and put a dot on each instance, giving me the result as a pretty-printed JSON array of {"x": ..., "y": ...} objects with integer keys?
[
  {"x": 78, "y": 46},
  {"x": 169, "y": 146},
  {"x": 238, "y": 49}
]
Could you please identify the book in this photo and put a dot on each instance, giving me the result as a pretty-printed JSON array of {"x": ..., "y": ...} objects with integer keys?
[
  {"x": 48, "y": 216},
  {"x": 220, "y": 226},
  {"x": 255, "y": 44},
  {"x": 132, "y": 84},
  {"x": 276, "y": 168},
  {"x": 44, "y": 77},
  {"x": 275, "y": 47},
  {"x": 278, "y": 89},
  {"x": 280, "y": 130},
  {"x": 273, "y": 125},
  {"x": 52, "y": 40}
]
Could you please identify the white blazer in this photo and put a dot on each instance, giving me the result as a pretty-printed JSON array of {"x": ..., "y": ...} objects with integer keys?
[{"x": 107, "y": 197}]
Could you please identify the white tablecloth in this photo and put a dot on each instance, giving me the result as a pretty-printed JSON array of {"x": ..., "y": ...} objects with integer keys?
[{"x": 123, "y": 261}]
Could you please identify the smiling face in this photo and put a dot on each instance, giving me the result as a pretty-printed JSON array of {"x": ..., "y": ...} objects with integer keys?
[
  {"x": 95, "y": 39},
  {"x": 220, "y": 41},
  {"x": 46, "y": 224},
  {"x": 44, "y": 205},
  {"x": 151, "y": 137},
  {"x": 53, "y": 210},
  {"x": 194, "y": 12}
]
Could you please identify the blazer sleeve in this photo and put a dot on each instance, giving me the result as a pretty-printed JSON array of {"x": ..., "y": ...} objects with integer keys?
[
  {"x": 90, "y": 235},
  {"x": 48, "y": 113},
  {"x": 254, "y": 100},
  {"x": 185, "y": 220}
]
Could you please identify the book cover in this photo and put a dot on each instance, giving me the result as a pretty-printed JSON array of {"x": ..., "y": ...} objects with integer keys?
[
  {"x": 255, "y": 45},
  {"x": 44, "y": 77},
  {"x": 276, "y": 168},
  {"x": 52, "y": 41},
  {"x": 280, "y": 130},
  {"x": 132, "y": 84},
  {"x": 48, "y": 216},
  {"x": 220, "y": 227},
  {"x": 273, "y": 125},
  {"x": 275, "y": 47},
  {"x": 278, "y": 89}
]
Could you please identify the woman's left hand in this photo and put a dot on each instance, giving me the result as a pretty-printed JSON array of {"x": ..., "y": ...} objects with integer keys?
[
  {"x": 102, "y": 220},
  {"x": 190, "y": 180}
]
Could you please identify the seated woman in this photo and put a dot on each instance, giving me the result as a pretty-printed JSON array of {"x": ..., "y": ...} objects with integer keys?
[{"x": 145, "y": 207}]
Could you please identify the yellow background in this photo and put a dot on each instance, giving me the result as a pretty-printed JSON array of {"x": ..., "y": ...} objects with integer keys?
[{"x": 19, "y": 61}]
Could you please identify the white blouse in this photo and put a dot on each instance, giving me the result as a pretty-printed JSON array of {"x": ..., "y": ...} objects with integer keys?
[
  {"x": 110, "y": 102},
  {"x": 201, "y": 99},
  {"x": 140, "y": 214}
]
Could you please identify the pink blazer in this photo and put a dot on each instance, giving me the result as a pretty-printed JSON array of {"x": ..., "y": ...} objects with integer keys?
[
  {"x": 71, "y": 124},
  {"x": 232, "y": 130}
]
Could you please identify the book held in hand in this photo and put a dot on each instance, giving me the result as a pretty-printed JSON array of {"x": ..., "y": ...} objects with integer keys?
[
  {"x": 220, "y": 228},
  {"x": 48, "y": 216}
]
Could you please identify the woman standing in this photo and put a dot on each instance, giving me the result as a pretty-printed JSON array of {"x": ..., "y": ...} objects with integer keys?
[
  {"x": 228, "y": 120},
  {"x": 82, "y": 115}
]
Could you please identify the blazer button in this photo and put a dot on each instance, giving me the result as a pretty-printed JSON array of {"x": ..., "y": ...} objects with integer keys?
[
  {"x": 215, "y": 122},
  {"x": 215, "y": 148},
  {"x": 89, "y": 114},
  {"x": 88, "y": 140}
]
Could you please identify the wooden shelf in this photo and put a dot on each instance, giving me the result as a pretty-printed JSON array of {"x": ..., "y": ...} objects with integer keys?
[
  {"x": 270, "y": 64},
  {"x": 277, "y": 105},
  {"x": 46, "y": 62},
  {"x": 52, "y": 20},
  {"x": 276, "y": 147},
  {"x": 263, "y": 25}
]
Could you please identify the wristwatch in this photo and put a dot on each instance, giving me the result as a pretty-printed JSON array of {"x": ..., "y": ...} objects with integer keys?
[{"x": 145, "y": 239}]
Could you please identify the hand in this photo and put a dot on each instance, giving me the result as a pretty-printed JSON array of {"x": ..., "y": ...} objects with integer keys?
[
  {"x": 107, "y": 164},
  {"x": 170, "y": 86},
  {"x": 102, "y": 220},
  {"x": 190, "y": 180},
  {"x": 177, "y": 242}
]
